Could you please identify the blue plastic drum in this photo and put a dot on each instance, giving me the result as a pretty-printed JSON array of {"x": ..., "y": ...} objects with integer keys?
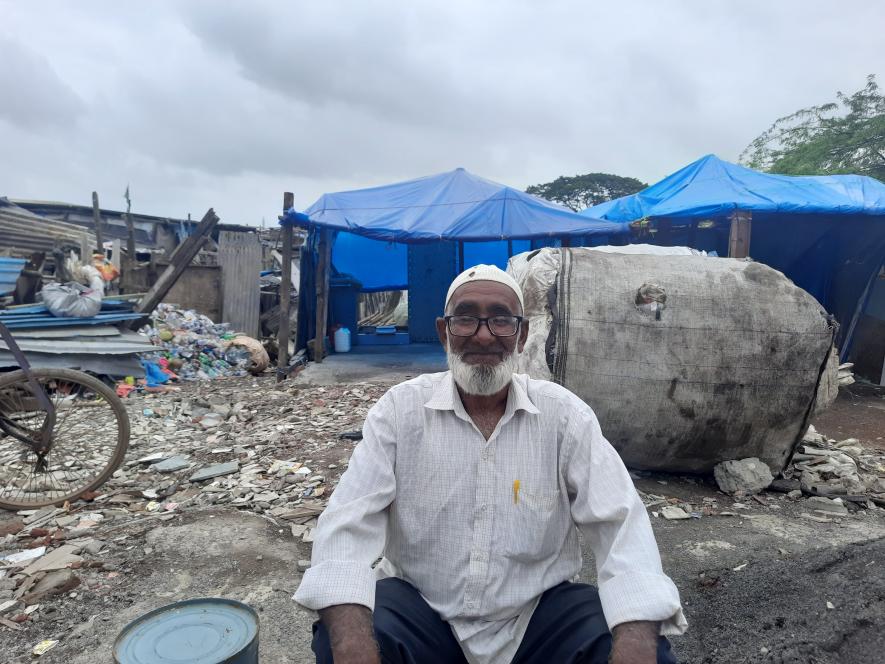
[{"x": 196, "y": 631}]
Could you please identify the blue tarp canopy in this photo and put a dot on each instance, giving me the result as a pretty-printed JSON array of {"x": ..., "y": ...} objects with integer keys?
[
  {"x": 710, "y": 187},
  {"x": 456, "y": 206},
  {"x": 826, "y": 233},
  {"x": 419, "y": 234}
]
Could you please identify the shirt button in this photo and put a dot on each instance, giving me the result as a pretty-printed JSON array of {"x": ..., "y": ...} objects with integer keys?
[
  {"x": 482, "y": 508},
  {"x": 485, "y": 456}
]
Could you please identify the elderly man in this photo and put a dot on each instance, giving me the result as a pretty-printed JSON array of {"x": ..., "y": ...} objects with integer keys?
[{"x": 472, "y": 484}]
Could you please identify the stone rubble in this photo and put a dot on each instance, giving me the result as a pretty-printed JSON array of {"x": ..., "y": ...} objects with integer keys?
[
  {"x": 826, "y": 467},
  {"x": 742, "y": 477},
  {"x": 245, "y": 443}
]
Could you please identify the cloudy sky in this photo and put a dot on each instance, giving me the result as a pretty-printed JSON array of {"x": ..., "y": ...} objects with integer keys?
[{"x": 228, "y": 104}]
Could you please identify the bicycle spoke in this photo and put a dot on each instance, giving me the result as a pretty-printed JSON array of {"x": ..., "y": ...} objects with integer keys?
[{"x": 84, "y": 441}]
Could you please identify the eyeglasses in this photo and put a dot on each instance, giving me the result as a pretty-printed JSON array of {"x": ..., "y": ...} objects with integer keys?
[{"x": 467, "y": 326}]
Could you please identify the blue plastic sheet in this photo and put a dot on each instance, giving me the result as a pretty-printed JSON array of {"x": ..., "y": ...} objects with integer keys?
[
  {"x": 450, "y": 206},
  {"x": 710, "y": 187},
  {"x": 376, "y": 264}
]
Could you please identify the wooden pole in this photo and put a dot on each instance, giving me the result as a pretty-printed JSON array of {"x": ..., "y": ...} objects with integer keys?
[
  {"x": 183, "y": 257},
  {"x": 322, "y": 283},
  {"x": 739, "y": 234},
  {"x": 96, "y": 220},
  {"x": 285, "y": 291},
  {"x": 130, "y": 233}
]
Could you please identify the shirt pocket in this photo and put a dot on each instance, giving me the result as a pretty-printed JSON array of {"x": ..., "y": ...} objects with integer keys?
[{"x": 530, "y": 525}]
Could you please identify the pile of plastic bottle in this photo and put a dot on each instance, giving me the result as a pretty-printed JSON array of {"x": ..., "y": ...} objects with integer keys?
[{"x": 194, "y": 346}]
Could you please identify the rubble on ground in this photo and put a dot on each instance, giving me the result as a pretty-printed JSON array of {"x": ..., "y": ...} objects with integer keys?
[
  {"x": 247, "y": 443},
  {"x": 826, "y": 467}
]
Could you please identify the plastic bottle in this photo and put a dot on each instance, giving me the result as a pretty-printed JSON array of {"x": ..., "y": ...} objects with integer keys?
[{"x": 342, "y": 340}]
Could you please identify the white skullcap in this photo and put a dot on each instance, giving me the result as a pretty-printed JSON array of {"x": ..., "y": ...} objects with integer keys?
[{"x": 485, "y": 273}]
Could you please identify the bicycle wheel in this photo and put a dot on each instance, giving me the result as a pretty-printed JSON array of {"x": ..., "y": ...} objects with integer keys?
[{"x": 89, "y": 439}]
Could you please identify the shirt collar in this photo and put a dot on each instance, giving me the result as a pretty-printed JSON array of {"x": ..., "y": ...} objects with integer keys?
[{"x": 445, "y": 397}]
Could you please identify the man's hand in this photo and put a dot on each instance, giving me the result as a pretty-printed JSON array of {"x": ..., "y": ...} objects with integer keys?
[
  {"x": 635, "y": 643},
  {"x": 351, "y": 634}
]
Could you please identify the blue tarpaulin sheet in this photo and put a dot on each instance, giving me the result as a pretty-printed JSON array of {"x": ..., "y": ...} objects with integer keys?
[
  {"x": 710, "y": 187},
  {"x": 826, "y": 233},
  {"x": 455, "y": 206},
  {"x": 477, "y": 220}
]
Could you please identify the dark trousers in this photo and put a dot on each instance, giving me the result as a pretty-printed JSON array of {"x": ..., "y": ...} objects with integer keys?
[{"x": 568, "y": 627}]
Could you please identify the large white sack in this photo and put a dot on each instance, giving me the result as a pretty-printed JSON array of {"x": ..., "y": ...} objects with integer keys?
[{"x": 686, "y": 360}]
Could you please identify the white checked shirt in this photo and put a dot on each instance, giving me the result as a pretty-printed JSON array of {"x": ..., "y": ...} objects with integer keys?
[{"x": 442, "y": 504}]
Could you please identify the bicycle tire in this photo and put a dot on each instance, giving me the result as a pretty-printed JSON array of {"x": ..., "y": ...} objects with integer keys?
[{"x": 119, "y": 411}]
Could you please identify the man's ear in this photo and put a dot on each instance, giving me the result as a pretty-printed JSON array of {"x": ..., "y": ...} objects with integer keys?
[
  {"x": 441, "y": 332},
  {"x": 523, "y": 334}
]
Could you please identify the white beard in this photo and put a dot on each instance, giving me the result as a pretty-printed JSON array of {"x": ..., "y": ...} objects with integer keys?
[{"x": 481, "y": 379}]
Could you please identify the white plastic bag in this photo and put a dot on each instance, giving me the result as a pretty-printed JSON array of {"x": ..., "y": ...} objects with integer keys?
[{"x": 72, "y": 300}]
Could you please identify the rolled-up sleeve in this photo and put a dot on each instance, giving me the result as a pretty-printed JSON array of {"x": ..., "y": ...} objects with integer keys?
[
  {"x": 351, "y": 532},
  {"x": 610, "y": 514}
]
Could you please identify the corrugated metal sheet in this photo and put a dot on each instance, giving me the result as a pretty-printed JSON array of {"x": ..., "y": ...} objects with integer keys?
[
  {"x": 24, "y": 232},
  {"x": 114, "y": 365},
  {"x": 124, "y": 343},
  {"x": 240, "y": 257},
  {"x": 37, "y": 316},
  {"x": 52, "y": 321},
  {"x": 82, "y": 331},
  {"x": 10, "y": 268}
]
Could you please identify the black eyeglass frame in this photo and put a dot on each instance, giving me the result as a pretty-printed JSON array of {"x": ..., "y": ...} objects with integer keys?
[{"x": 479, "y": 321}]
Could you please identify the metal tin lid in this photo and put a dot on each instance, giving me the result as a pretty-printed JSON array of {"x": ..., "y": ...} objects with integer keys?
[{"x": 197, "y": 631}]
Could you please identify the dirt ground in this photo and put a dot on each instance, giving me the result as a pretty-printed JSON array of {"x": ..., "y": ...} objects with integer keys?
[
  {"x": 756, "y": 587},
  {"x": 859, "y": 412}
]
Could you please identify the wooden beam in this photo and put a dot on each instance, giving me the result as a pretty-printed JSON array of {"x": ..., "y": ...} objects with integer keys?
[
  {"x": 739, "y": 235},
  {"x": 286, "y": 236},
  {"x": 183, "y": 257},
  {"x": 322, "y": 283},
  {"x": 96, "y": 220}
]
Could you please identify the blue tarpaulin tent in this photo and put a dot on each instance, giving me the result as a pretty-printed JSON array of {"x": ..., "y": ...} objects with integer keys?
[
  {"x": 826, "y": 233},
  {"x": 419, "y": 233}
]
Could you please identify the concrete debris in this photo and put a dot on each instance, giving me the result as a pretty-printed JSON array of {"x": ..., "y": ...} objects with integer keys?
[
  {"x": 671, "y": 512},
  {"x": 303, "y": 565},
  {"x": 59, "y": 558},
  {"x": 8, "y": 605},
  {"x": 827, "y": 467},
  {"x": 172, "y": 464},
  {"x": 742, "y": 477},
  {"x": 215, "y": 470},
  {"x": 59, "y": 581},
  {"x": 822, "y": 504}
]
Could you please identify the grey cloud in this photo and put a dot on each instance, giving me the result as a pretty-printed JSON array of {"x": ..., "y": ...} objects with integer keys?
[
  {"x": 33, "y": 95},
  {"x": 200, "y": 103}
]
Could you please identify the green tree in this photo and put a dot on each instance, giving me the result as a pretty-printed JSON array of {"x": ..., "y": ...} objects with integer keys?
[
  {"x": 582, "y": 191},
  {"x": 844, "y": 136}
]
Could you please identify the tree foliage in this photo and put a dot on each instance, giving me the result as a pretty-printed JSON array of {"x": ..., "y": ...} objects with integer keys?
[
  {"x": 582, "y": 191},
  {"x": 845, "y": 136}
]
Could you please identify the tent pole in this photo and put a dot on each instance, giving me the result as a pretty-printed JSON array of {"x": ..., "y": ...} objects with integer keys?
[
  {"x": 322, "y": 284},
  {"x": 285, "y": 291},
  {"x": 739, "y": 235}
]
